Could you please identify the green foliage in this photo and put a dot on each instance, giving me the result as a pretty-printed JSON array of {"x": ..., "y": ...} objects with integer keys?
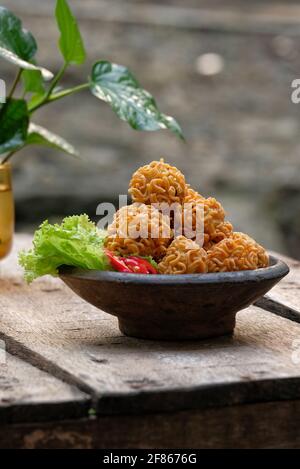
[
  {"x": 13, "y": 125},
  {"x": 17, "y": 45},
  {"x": 117, "y": 86},
  {"x": 38, "y": 135},
  {"x": 33, "y": 81},
  {"x": 14, "y": 37},
  {"x": 14, "y": 59},
  {"x": 111, "y": 83},
  {"x": 70, "y": 41}
]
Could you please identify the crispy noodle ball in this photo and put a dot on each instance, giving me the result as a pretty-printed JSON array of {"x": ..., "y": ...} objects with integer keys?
[
  {"x": 192, "y": 195},
  {"x": 139, "y": 230},
  {"x": 224, "y": 230},
  {"x": 157, "y": 182},
  {"x": 238, "y": 252},
  {"x": 183, "y": 256},
  {"x": 215, "y": 228}
]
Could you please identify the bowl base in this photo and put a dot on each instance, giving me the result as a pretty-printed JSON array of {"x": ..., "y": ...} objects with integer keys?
[{"x": 178, "y": 331}]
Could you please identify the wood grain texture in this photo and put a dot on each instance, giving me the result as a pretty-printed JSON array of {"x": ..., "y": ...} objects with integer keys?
[
  {"x": 28, "y": 394},
  {"x": 257, "y": 18},
  {"x": 48, "y": 325},
  {"x": 284, "y": 298},
  {"x": 263, "y": 425}
]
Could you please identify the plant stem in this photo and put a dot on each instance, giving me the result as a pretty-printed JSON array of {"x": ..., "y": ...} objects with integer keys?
[
  {"x": 59, "y": 95},
  {"x": 49, "y": 100},
  {"x": 15, "y": 83},
  {"x": 7, "y": 157},
  {"x": 68, "y": 92},
  {"x": 54, "y": 82}
]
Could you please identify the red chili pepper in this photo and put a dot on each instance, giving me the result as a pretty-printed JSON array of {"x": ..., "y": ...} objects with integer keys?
[
  {"x": 135, "y": 265},
  {"x": 130, "y": 264},
  {"x": 117, "y": 263},
  {"x": 147, "y": 264}
]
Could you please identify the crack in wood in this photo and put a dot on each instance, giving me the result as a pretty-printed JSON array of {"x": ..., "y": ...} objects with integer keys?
[
  {"x": 278, "y": 308},
  {"x": 16, "y": 348}
]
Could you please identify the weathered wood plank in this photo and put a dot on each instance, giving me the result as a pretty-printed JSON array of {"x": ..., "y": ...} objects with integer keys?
[
  {"x": 49, "y": 325},
  {"x": 28, "y": 394},
  {"x": 263, "y": 425},
  {"x": 284, "y": 298},
  {"x": 257, "y": 18}
]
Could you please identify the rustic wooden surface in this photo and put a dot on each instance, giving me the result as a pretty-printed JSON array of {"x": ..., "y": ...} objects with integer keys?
[
  {"x": 31, "y": 394},
  {"x": 210, "y": 388},
  {"x": 276, "y": 426},
  {"x": 285, "y": 298},
  {"x": 227, "y": 16}
]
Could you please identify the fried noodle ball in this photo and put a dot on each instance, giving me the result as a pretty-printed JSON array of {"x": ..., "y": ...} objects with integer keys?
[
  {"x": 215, "y": 228},
  {"x": 224, "y": 230},
  {"x": 238, "y": 252},
  {"x": 157, "y": 182},
  {"x": 139, "y": 230},
  {"x": 183, "y": 256}
]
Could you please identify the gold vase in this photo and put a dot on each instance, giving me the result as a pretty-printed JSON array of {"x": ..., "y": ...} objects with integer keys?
[{"x": 7, "y": 211}]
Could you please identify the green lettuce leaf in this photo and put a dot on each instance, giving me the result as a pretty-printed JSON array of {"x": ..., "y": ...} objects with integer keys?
[
  {"x": 151, "y": 261},
  {"x": 76, "y": 242}
]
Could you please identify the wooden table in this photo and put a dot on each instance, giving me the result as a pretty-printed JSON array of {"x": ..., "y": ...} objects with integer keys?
[{"x": 70, "y": 379}]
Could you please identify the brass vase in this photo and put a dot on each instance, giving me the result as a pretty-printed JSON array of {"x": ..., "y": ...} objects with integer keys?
[{"x": 7, "y": 211}]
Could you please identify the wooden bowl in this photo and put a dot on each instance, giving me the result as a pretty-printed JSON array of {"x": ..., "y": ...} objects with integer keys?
[{"x": 174, "y": 307}]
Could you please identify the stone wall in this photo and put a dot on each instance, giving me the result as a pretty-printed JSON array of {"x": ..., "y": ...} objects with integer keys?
[{"x": 242, "y": 130}]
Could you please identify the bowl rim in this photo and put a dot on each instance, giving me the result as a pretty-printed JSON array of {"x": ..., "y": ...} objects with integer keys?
[{"x": 276, "y": 269}]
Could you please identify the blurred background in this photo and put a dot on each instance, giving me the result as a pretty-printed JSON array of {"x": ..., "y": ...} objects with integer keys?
[{"x": 222, "y": 68}]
